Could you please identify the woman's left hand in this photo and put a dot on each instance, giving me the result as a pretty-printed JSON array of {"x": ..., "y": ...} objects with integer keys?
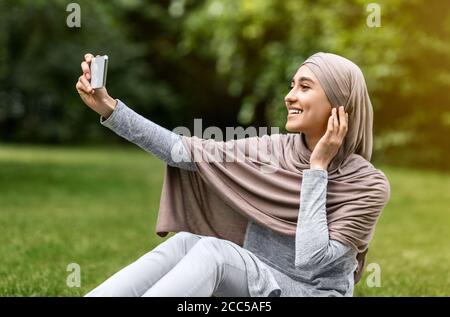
[{"x": 329, "y": 144}]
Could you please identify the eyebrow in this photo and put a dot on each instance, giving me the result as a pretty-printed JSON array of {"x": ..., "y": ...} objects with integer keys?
[{"x": 303, "y": 78}]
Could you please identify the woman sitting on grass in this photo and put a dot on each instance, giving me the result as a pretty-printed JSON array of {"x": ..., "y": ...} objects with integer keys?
[{"x": 296, "y": 219}]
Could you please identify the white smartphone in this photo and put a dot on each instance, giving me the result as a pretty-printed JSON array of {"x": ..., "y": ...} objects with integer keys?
[{"x": 99, "y": 69}]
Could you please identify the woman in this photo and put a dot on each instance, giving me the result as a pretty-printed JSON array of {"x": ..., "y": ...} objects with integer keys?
[{"x": 294, "y": 220}]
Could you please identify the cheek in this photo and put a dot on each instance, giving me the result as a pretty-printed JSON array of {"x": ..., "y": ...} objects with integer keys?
[
  {"x": 317, "y": 119},
  {"x": 317, "y": 114},
  {"x": 312, "y": 119},
  {"x": 321, "y": 110}
]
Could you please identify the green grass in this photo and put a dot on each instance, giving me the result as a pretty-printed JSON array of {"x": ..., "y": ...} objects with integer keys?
[{"x": 97, "y": 207}]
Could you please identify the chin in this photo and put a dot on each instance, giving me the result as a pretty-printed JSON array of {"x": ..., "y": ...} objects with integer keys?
[{"x": 292, "y": 127}]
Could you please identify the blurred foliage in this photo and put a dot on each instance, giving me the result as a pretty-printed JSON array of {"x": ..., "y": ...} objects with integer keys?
[{"x": 227, "y": 61}]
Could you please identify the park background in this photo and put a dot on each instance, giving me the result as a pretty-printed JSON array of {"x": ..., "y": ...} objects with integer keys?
[{"x": 71, "y": 191}]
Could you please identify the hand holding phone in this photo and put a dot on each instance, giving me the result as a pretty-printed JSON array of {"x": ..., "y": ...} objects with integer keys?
[
  {"x": 99, "y": 69},
  {"x": 94, "y": 76}
]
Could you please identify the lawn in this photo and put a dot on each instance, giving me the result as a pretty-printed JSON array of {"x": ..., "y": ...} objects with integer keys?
[{"x": 97, "y": 207}]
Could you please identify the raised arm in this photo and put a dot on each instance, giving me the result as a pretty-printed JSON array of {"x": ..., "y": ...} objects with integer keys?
[
  {"x": 149, "y": 136},
  {"x": 313, "y": 246},
  {"x": 312, "y": 243}
]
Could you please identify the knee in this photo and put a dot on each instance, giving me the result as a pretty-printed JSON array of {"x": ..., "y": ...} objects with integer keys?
[
  {"x": 212, "y": 247},
  {"x": 185, "y": 236},
  {"x": 184, "y": 239}
]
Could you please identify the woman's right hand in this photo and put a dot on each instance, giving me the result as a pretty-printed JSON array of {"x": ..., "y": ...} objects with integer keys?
[{"x": 96, "y": 99}]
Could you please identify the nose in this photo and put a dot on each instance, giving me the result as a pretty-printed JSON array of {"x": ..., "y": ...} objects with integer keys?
[{"x": 290, "y": 98}]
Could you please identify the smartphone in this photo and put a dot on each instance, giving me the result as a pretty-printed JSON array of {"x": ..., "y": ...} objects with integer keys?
[{"x": 99, "y": 69}]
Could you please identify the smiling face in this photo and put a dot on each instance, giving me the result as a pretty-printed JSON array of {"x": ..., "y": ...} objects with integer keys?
[{"x": 307, "y": 104}]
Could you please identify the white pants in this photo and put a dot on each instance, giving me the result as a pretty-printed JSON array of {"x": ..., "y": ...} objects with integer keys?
[{"x": 184, "y": 265}]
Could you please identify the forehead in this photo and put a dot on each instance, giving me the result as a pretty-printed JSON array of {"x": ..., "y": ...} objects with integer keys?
[{"x": 304, "y": 71}]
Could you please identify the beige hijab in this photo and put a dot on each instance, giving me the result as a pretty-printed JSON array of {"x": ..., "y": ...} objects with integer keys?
[{"x": 259, "y": 178}]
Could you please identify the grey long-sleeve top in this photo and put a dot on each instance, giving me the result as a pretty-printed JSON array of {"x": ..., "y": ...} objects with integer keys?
[{"x": 309, "y": 265}]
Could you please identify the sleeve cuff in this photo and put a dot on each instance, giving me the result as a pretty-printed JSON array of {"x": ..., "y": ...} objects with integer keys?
[
  {"x": 109, "y": 122},
  {"x": 315, "y": 173}
]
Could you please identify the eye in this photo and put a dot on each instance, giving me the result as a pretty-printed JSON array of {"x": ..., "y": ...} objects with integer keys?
[{"x": 304, "y": 87}]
